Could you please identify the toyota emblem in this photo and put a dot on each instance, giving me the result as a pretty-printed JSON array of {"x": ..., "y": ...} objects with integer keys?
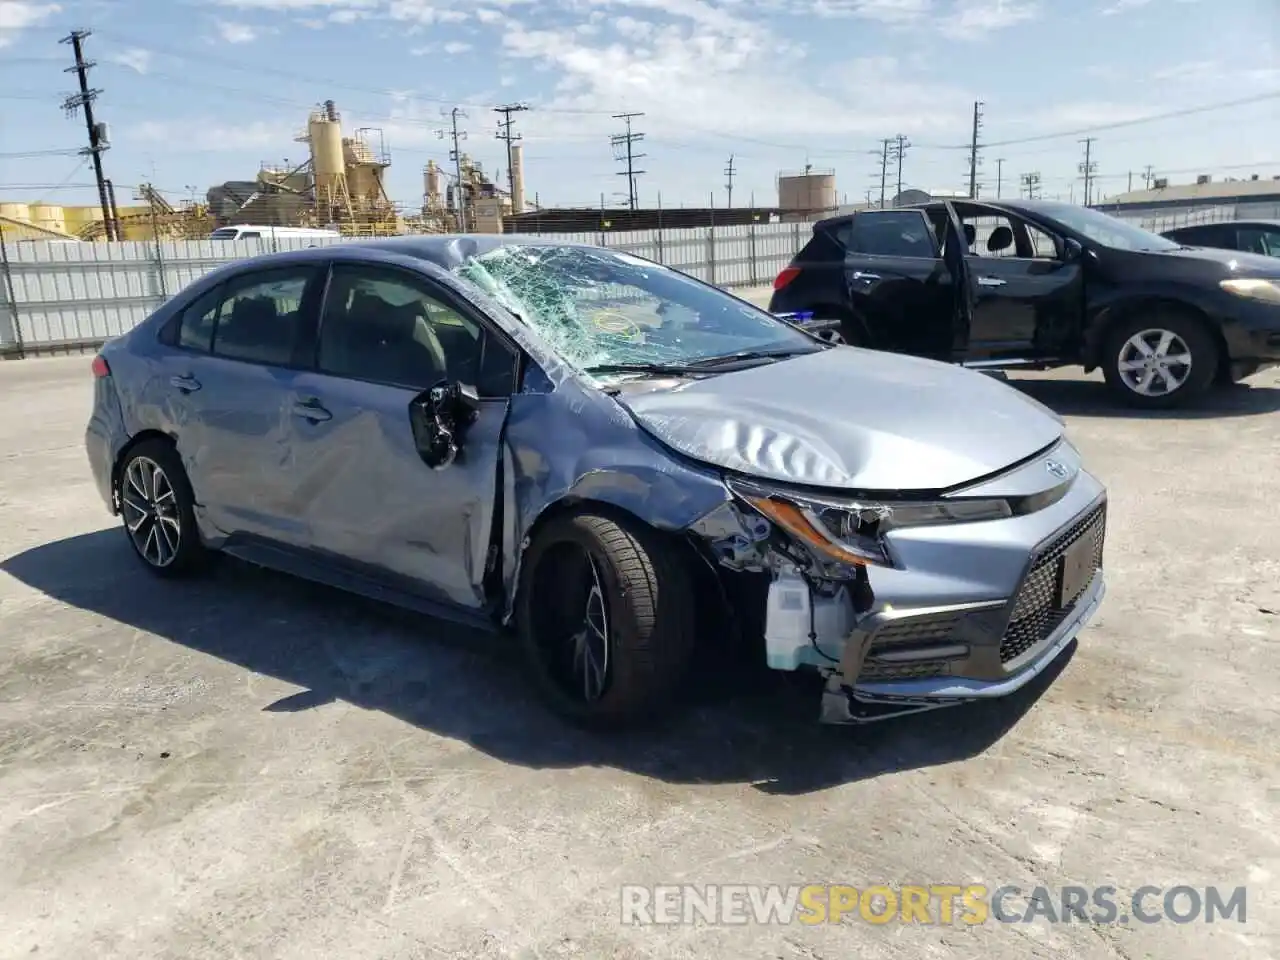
[{"x": 1055, "y": 468}]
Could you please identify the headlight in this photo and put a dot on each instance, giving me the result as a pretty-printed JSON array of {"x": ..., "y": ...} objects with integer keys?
[
  {"x": 853, "y": 531},
  {"x": 1253, "y": 288}
]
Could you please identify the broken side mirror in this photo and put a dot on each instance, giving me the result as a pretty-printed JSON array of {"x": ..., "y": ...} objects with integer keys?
[{"x": 439, "y": 417}]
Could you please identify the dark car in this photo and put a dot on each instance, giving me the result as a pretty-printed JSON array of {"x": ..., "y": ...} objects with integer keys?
[
  {"x": 1247, "y": 236},
  {"x": 1037, "y": 284}
]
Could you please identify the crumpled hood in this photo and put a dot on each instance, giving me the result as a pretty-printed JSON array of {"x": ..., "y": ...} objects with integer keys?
[{"x": 850, "y": 419}]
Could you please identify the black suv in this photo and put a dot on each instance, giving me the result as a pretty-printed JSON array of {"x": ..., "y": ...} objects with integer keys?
[{"x": 1037, "y": 284}]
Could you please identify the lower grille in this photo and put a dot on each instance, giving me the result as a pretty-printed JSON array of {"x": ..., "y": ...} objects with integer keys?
[
  {"x": 1036, "y": 613},
  {"x": 911, "y": 670}
]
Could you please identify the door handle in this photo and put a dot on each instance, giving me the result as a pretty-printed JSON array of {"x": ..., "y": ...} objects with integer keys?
[
  {"x": 312, "y": 411},
  {"x": 860, "y": 275},
  {"x": 991, "y": 282},
  {"x": 186, "y": 383}
]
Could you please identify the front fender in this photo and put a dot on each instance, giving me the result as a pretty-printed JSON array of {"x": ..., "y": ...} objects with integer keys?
[
  {"x": 573, "y": 444},
  {"x": 1109, "y": 307}
]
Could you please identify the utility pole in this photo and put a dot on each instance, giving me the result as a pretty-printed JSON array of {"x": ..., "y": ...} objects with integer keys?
[
  {"x": 1088, "y": 167},
  {"x": 1148, "y": 175},
  {"x": 728, "y": 181},
  {"x": 898, "y": 152},
  {"x": 999, "y": 175},
  {"x": 97, "y": 132},
  {"x": 624, "y": 149},
  {"x": 884, "y": 166},
  {"x": 973, "y": 150},
  {"x": 1032, "y": 183},
  {"x": 504, "y": 133},
  {"x": 455, "y": 155}
]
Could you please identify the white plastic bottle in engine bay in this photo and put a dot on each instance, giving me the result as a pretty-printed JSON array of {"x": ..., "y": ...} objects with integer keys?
[{"x": 793, "y": 611}]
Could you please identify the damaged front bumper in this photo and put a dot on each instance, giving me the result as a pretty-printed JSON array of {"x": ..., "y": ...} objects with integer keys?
[{"x": 968, "y": 611}]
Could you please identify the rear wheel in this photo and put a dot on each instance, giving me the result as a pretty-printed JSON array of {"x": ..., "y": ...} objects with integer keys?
[
  {"x": 1160, "y": 359},
  {"x": 606, "y": 619},
  {"x": 156, "y": 507},
  {"x": 840, "y": 331}
]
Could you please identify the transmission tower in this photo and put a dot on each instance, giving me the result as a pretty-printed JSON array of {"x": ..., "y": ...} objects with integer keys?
[
  {"x": 1031, "y": 183},
  {"x": 728, "y": 180},
  {"x": 896, "y": 152},
  {"x": 624, "y": 150},
  {"x": 459, "y": 193},
  {"x": 98, "y": 142},
  {"x": 1088, "y": 167},
  {"x": 884, "y": 166},
  {"x": 1148, "y": 175},
  {"x": 504, "y": 133},
  {"x": 974, "y": 147}
]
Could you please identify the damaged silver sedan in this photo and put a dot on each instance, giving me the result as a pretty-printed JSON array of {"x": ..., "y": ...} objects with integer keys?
[{"x": 613, "y": 459}]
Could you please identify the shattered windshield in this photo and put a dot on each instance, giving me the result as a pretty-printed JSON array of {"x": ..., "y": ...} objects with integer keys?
[{"x": 601, "y": 308}]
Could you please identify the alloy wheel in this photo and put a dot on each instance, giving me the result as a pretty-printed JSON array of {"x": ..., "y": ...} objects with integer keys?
[
  {"x": 1154, "y": 362},
  {"x": 150, "y": 510},
  {"x": 590, "y": 642},
  {"x": 832, "y": 336}
]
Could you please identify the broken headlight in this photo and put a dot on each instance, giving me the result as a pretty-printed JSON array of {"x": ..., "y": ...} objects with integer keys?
[{"x": 853, "y": 530}]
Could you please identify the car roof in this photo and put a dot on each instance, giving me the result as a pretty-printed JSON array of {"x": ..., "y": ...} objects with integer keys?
[
  {"x": 1044, "y": 208},
  {"x": 1227, "y": 223}
]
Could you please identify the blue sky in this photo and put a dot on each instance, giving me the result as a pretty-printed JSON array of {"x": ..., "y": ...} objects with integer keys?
[{"x": 201, "y": 91}]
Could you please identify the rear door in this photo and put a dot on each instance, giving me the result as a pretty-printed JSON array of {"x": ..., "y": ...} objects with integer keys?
[
  {"x": 897, "y": 283},
  {"x": 234, "y": 357},
  {"x": 386, "y": 335}
]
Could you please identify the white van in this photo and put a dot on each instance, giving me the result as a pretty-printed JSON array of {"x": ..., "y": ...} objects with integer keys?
[{"x": 247, "y": 232}]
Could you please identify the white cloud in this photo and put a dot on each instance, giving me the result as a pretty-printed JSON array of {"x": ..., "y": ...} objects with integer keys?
[
  {"x": 236, "y": 32},
  {"x": 204, "y": 135},
  {"x": 974, "y": 19},
  {"x": 1123, "y": 6},
  {"x": 17, "y": 15},
  {"x": 456, "y": 47},
  {"x": 135, "y": 58},
  {"x": 885, "y": 11}
]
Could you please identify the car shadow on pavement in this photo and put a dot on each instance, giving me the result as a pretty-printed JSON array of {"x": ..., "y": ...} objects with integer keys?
[
  {"x": 1092, "y": 398},
  {"x": 756, "y": 727}
]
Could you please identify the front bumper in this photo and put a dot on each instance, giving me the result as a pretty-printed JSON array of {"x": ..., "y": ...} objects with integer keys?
[{"x": 972, "y": 611}]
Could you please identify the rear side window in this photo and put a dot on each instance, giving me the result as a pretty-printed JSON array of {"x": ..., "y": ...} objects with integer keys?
[
  {"x": 261, "y": 314},
  {"x": 1264, "y": 240},
  {"x": 195, "y": 329},
  {"x": 891, "y": 233}
]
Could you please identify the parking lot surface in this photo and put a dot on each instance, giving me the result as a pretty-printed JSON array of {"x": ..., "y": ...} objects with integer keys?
[{"x": 247, "y": 766}]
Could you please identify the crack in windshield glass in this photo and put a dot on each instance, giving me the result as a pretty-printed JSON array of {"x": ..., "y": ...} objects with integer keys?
[{"x": 600, "y": 308}]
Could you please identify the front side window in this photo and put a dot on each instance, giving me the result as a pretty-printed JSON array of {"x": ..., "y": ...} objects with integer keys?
[
  {"x": 1263, "y": 240},
  {"x": 260, "y": 317},
  {"x": 598, "y": 307},
  {"x": 1106, "y": 230},
  {"x": 388, "y": 327}
]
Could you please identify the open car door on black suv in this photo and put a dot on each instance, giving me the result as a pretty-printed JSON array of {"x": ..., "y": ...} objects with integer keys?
[{"x": 878, "y": 279}]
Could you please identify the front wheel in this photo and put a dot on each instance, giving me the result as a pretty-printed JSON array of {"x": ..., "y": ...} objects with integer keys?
[
  {"x": 606, "y": 619},
  {"x": 156, "y": 506},
  {"x": 1159, "y": 360}
]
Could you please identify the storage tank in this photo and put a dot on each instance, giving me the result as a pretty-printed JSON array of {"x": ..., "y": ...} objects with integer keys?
[
  {"x": 16, "y": 211},
  {"x": 431, "y": 183},
  {"x": 50, "y": 217},
  {"x": 327, "y": 162},
  {"x": 517, "y": 178},
  {"x": 813, "y": 191}
]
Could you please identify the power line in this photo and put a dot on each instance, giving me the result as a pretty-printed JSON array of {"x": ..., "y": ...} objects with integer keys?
[
  {"x": 1031, "y": 182},
  {"x": 456, "y": 156},
  {"x": 728, "y": 181},
  {"x": 973, "y": 150},
  {"x": 1088, "y": 168},
  {"x": 83, "y": 101},
  {"x": 897, "y": 152},
  {"x": 624, "y": 149},
  {"x": 504, "y": 133}
]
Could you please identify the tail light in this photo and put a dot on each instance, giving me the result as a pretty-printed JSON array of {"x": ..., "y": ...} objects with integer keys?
[
  {"x": 99, "y": 367},
  {"x": 785, "y": 277}
]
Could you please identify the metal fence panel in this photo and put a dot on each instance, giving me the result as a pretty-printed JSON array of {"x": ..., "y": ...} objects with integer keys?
[{"x": 68, "y": 296}]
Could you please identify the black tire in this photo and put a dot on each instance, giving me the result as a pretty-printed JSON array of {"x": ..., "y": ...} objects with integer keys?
[
  {"x": 844, "y": 330},
  {"x": 649, "y": 617},
  {"x": 175, "y": 550},
  {"x": 1194, "y": 335}
]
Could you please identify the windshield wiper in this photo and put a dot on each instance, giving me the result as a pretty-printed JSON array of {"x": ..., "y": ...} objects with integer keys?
[
  {"x": 746, "y": 355},
  {"x": 656, "y": 369}
]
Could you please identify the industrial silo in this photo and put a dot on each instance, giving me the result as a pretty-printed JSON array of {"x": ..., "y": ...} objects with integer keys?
[
  {"x": 49, "y": 216},
  {"x": 15, "y": 211},
  {"x": 328, "y": 166},
  {"x": 807, "y": 195}
]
